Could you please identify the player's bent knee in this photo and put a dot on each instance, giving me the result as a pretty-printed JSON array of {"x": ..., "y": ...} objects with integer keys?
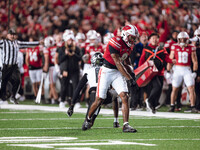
[{"x": 124, "y": 96}]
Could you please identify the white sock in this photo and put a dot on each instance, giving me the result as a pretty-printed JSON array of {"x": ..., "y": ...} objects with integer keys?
[
  {"x": 125, "y": 123},
  {"x": 116, "y": 120}
]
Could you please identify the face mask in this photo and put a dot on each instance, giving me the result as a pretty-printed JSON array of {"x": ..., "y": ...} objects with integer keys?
[{"x": 182, "y": 44}]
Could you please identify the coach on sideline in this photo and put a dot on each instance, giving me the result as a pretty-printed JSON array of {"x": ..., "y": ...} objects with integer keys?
[{"x": 9, "y": 48}]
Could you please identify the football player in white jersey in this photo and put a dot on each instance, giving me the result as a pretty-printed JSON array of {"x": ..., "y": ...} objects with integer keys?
[{"x": 91, "y": 76}]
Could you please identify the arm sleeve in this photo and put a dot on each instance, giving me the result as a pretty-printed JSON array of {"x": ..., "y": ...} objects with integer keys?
[
  {"x": 77, "y": 55},
  {"x": 1, "y": 44},
  {"x": 79, "y": 87},
  {"x": 142, "y": 58},
  {"x": 23, "y": 44},
  {"x": 167, "y": 59}
]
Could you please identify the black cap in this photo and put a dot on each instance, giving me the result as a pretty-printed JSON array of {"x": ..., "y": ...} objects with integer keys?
[
  {"x": 12, "y": 31},
  {"x": 153, "y": 34}
]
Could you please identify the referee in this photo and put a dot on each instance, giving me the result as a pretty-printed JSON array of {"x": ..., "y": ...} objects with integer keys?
[{"x": 9, "y": 48}]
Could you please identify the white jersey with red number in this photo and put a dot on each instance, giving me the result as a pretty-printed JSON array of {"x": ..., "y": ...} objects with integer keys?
[
  {"x": 35, "y": 58},
  {"x": 121, "y": 48},
  {"x": 92, "y": 49},
  {"x": 183, "y": 55}
]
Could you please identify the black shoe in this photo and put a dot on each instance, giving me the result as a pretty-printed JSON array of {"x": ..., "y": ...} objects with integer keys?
[
  {"x": 153, "y": 110},
  {"x": 194, "y": 110},
  {"x": 128, "y": 128},
  {"x": 116, "y": 124},
  {"x": 86, "y": 125},
  {"x": 14, "y": 101},
  {"x": 172, "y": 109},
  {"x": 70, "y": 110}
]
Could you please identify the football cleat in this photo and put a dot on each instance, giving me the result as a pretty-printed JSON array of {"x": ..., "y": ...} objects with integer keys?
[
  {"x": 14, "y": 101},
  {"x": 172, "y": 109},
  {"x": 128, "y": 128},
  {"x": 86, "y": 125},
  {"x": 70, "y": 111},
  {"x": 116, "y": 124}
]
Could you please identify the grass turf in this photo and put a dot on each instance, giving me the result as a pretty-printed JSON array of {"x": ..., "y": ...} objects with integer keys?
[{"x": 164, "y": 133}]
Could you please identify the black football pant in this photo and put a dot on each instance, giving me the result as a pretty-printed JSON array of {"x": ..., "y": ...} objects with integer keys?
[
  {"x": 197, "y": 90},
  {"x": 156, "y": 89},
  {"x": 10, "y": 73}
]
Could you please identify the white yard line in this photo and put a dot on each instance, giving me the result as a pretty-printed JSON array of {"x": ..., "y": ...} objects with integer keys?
[
  {"x": 76, "y": 128},
  {"x": 112, "y": 142},
  {"x": 103, "y": 111}
]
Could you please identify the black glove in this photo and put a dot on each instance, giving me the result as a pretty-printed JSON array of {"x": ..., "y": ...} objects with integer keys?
[
  {"x": 131, "y": 83},
  {"x": 70, "y": 110}
]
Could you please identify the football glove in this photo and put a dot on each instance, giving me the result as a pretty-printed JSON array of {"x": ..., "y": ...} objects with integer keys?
[{"x": 70, "y": 110}]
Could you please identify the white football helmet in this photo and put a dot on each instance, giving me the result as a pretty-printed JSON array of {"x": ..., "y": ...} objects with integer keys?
[
  {"x": 80, "y": 36},
  {"x": 68, "y": 31},
  {"x": 88, "y": 34},
  {"x": 107, "y": 37},
  {"x": 93, "y": 39},
  {"x": 129, "y": 30},
  {"x": 197, "y": 32},
  {"x": 68, "y": 35},
  {"x": 49, "y": 41},
  {"x": 185, "y": 36}
]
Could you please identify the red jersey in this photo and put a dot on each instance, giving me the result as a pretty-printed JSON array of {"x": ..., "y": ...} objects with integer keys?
[
  {"x": 121, "y": 48},
  {"x": 92, "y": 49},
  {"x": 35, "y": 58},
  {"x": 183, "y": 55},
  {"x": 51, "y": 51},
  {"x": 168, "y": 45}
]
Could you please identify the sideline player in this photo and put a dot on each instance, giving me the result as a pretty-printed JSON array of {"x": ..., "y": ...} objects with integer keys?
[
  {"x": 185, "y": 54},
  {"x": 114, "y": 72},
  {"x": 34, "y": 62},
  {"x": 49, "y": 53}
]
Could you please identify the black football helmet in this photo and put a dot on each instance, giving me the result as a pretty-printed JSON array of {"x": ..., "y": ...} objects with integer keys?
[{"x": 97, "y": 59}]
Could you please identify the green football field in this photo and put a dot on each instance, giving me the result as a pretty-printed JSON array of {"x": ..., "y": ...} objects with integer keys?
[{"x": 36, "y": 129}]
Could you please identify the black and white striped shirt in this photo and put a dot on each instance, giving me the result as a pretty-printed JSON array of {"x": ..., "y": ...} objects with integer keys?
[{"x": 9, "y": 50}]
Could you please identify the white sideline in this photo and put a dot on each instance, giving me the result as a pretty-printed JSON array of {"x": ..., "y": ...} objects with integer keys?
[{"x": 103, "y": 111}]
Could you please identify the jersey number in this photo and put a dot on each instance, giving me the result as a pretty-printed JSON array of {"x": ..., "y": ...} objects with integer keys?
[
  {"x": 33, "y": 56},
  {"x": 183, "y": 57}
]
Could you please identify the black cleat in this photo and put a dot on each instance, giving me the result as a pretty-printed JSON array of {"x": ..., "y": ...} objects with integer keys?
[
  {"x": 86, "y": 125},
  {"x": 128, "y": 128},
  {"x": 172, "y": 109},
  {"x": 14, "y": 101},
  {"x": 153, "y": 110},
  {"x": 70, "y": 111},
  {"x": 116, "y": 124}
]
